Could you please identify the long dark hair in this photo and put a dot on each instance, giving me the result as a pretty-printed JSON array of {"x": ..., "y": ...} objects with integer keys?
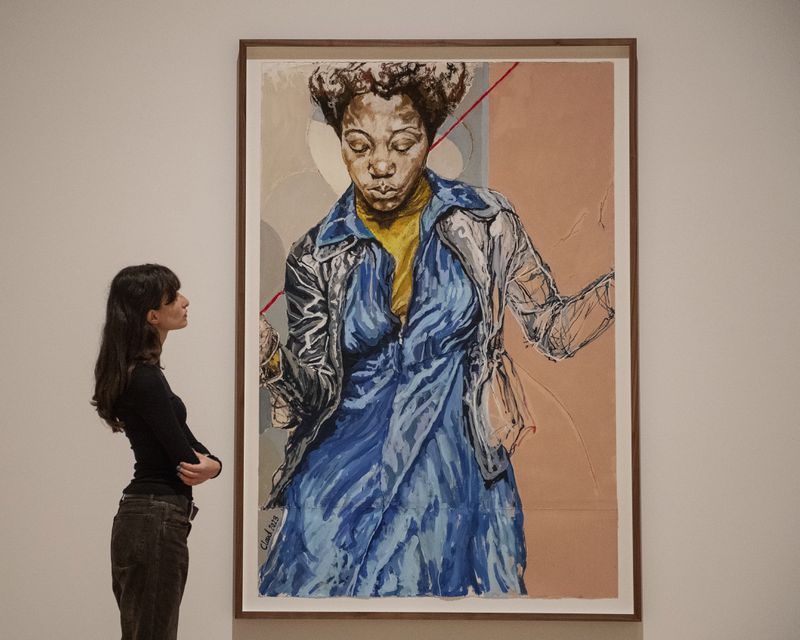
[{"x": 128, "y": 338}]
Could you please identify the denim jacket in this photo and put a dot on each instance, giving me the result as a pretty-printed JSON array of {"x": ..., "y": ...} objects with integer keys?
[{"x": 483, "y": 231}]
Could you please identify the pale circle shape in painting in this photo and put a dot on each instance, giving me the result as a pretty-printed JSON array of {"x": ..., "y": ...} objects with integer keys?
[
  {"x": 446, "y": 160},
  {"x": 327, "y": 154}
]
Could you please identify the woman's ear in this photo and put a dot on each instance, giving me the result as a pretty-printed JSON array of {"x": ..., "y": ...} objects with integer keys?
[{"x": 152, "y": 317}]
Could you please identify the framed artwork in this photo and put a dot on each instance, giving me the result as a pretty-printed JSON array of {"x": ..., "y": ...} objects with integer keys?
[{"x": 436, "y": 369}]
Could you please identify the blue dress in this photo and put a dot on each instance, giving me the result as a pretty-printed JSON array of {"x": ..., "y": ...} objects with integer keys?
[{"x": 390, "y": 500}]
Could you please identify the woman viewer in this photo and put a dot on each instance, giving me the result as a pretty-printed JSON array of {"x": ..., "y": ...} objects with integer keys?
[{"x": 149, "y": 553}]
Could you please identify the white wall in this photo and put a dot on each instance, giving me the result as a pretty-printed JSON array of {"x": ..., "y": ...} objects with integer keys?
[{"x": 117, "y": 146}]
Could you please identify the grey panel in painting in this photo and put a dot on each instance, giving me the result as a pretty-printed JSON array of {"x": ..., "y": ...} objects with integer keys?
[
  {"x": 470, "y": 136},
  {"x": 273, "y": 258}
]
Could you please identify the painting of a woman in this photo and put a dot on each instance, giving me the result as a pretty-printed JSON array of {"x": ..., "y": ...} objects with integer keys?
[{"x": 395, "y": 481}]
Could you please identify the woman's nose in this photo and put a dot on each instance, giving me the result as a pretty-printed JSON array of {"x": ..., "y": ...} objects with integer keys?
[{"x": 380, "y": 166}]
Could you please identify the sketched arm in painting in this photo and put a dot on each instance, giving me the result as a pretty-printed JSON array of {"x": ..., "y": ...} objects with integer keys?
[
  {"x": 558, "y": 326},
  {"x": 507, "y": 270}
]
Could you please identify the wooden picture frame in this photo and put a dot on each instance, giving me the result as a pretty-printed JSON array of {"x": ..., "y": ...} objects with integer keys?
[{"x": 549, "y": 126}]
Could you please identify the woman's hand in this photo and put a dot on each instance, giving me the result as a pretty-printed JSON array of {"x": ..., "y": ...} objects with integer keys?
[{"x": 194, "y": 474}]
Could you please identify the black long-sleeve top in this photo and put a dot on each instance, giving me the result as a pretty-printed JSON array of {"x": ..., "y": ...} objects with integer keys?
[{"x": 155, "y": 423}]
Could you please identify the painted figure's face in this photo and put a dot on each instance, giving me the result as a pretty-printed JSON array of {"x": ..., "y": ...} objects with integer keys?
[{"x": 384, "y": 147}]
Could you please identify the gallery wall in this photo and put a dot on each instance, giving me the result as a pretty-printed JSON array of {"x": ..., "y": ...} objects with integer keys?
[{"x": 117, "y": 146}]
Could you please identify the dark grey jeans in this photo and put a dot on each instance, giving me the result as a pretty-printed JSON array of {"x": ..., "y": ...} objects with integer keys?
[{"x": 149, "y": 564}]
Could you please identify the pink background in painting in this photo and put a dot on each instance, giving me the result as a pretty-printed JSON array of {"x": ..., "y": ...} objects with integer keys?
[{"x": 551, "y": 153}]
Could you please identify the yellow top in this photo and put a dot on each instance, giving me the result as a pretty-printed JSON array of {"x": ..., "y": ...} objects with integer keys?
[{"x": 398, "y": 233}]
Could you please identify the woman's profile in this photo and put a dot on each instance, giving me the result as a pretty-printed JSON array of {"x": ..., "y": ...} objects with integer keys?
[
  {"x": 149, "y": 553},
  {"x": 395, "y": 482}
]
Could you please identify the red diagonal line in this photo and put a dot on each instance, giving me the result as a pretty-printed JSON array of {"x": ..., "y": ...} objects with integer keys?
[
  {"x": 271, "y": 302},
  {"x": 477, "y": 102}
]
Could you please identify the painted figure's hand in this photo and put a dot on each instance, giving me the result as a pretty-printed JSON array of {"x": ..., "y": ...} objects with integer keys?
[
  {"x": 194, "y": 474},
  {"x": 267, "y": 339},
  {"x": 606, "y": 295},
  {"x": 269, "y": 357}
]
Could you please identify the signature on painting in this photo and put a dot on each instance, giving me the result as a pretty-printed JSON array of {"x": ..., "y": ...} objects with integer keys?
[{"x": 269, "y": 531}]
